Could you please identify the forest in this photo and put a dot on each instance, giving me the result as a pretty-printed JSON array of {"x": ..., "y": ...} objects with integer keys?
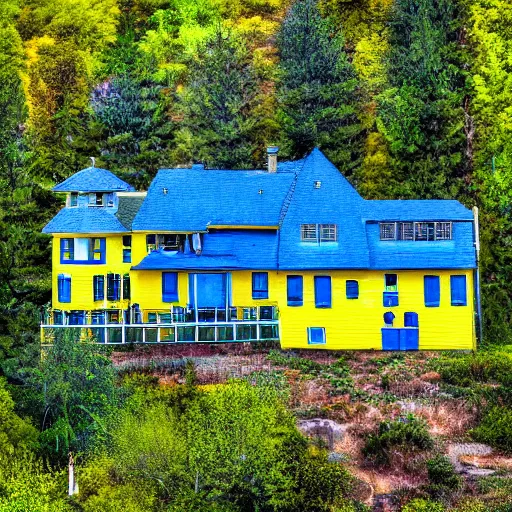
[{"x": 408, "y": 98}]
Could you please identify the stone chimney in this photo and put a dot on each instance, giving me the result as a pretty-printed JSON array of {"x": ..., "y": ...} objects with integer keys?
[{"x": 272, "y": 158}]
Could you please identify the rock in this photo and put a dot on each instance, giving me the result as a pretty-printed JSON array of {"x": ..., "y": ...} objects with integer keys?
[
  {"x": 327, "y": 430},
  {"x": 458, "y": 450}
]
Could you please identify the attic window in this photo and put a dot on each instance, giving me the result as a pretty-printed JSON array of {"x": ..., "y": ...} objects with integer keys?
[
  {"x": 73, "y": 199},
  {"x": 416, "y": 231},
  {"x": 317, "y": 184},
  {"x": 96, "y": 199},
  {"x": 319, "y": 233}
]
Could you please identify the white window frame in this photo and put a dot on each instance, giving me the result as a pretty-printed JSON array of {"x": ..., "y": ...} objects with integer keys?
[
  {"x": 445, "y": 227},
  {"x": 306, "y": 230},
  {"x": 324, "y": 339},
  {"x": 332, "y": 232},
  {"x": 382, "y": 230}
]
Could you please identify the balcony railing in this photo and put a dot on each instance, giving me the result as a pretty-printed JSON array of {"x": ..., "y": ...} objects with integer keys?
[{"x": 206, "y": 325}]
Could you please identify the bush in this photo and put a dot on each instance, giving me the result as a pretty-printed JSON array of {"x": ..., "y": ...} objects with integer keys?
[
  {"x": 409, "y": 432},
  {"x": 420, "y": 505},
  {"x": 483, "y": 367},
  {"x": 496, "y": 428},
  {"x": 441, "y": 472}
]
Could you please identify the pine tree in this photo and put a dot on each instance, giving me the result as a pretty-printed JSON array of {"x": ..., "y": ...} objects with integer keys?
[
  {"x": 219, "y": 105},
  {"x": 317, "y": 89},
  {"x": 421, "y": 114}
]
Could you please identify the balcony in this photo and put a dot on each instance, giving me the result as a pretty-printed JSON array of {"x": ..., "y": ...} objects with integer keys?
[{"x": 177, "y": 325}]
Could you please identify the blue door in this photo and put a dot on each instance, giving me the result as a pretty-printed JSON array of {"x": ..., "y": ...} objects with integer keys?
[{"x": 211, "y": 290}]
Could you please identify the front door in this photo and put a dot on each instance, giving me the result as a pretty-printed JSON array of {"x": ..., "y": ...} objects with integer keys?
[{"x": 208, "y": 290}]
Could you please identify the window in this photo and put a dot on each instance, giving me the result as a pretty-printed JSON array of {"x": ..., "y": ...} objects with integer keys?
[
  {"x": 406, "y": 231},
  {"x": 390, "y": 295},
  {"x": 166, "y": 242},
  {"x": 64, "y": 287},
  {"x": 328, "y": 233},
  {"x": 73, "y": 199},
  {"x": 418, "y": 231},
  {"x": 458, "y": 290},
  {"x": 316, "y": 335},
  {"x": 390, "y": 282},
  {"x": 96, "y": 199},
  {"x": 152, "y": 318},
  {"x": 113, "y": 286},
  {"x": 432, "y": 291},
  {"x": 387, "y": 231},
  {"x": 260, "y": 285},
  {"x": 82, "y": 251},
  {"x": 67, "y": 249},
  {"x": 352, "y": 289},
  {"x": 126, "y": 287},
  {"x": 443, "y": 230},
  {"x": 98, "y": 287},
  {"x": 295, "y": 290},
  {"x": 322, "y": 291},
  {"x": 169, "y": 286},
  {"x": 110, "y": 199},
  {"x": 425, "y": 231},
  {"x": 308, "y": 233},
  {"x": 127, "y": 249}
]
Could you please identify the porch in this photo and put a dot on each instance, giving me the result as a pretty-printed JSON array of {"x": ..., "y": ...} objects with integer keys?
[{"x": 177, "y": 325}]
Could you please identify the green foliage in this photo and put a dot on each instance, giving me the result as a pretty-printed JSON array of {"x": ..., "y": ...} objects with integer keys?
[
  {"x": 316, "y": 89},
  {"x": 495, "y": 428},
  {"x": 442, "y": 473},
  {"x": 421, "y": 505},
  {"x": 408, "y": 433},
  {"x": 26, "y": 484},
  {"x": 76, "y": 382}
]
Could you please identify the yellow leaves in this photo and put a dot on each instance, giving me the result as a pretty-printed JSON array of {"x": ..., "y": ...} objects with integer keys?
[{"x": 32, "y": 48}]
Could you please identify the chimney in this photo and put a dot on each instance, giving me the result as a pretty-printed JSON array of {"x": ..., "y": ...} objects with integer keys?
[{"x": 272, "y": 158}]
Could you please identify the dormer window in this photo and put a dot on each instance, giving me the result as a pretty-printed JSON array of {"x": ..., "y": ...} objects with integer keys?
[
  {"x": 319, "y": 233},
  {"x": 416, "y": 231},
  {"x": 96, "y": 199},
  {"x": 73, "y": 199},
  {"x": 166, "y": 242}
]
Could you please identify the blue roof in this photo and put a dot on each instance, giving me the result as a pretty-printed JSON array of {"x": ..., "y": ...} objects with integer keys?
[
  {"x": 416, "y": 210},
  {"x": 84, "y": 220},
  {"x": 93, "y": 179},
  {"x": 223, "y": 250},
  {"x": 192, "y": 199}
]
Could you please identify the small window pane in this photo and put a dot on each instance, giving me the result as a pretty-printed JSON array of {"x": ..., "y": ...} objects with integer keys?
[
  {"x": 390, "y": 282},
  {"x": 169, "y": 286},
  {"x": 260, "y": 285},
  {"x": 295, "y": 290},
  {"x": 458, "y": 290},
  {"x": 387, "y": 231},
  {"x": 316, "y": 335},
  {"x": 443, "y": 231},
  {"x": 309, "y": 233},
  {"x": 432, "y": 291},
  {"x": 406, "y": 231},
  {"x": 127, "y": 255},
  {"x": 425, "y": 231},
  {"x": 127, "y": 240},
  {"x": 73, "y": 199},
  {"x": 352, "y": 289},
  {"x": 328, "y": 233}
]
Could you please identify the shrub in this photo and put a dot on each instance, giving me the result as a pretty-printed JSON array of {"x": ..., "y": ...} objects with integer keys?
[
  {"x": 496, "y": 428},
  {"x": 409, "y": 432},
  {"x": 441, "y": 472},
  {"x": 420, "y": 505},
  {"x": 295, "y": 363}
]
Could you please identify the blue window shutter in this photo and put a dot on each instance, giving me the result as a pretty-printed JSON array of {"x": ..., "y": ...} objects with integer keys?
[
  {"x": 295, "y": 287},
  {"x": 113, "y": 286},
  {"x": 458, "y": 290},
  {"x": 432, "y": 291},
  {"x": 352, "y": 289},
  {"x": 169, "y": 286},
  {"x": 322, "y": 291},
  {"x": 260, "y": 285},
  {"x": 99, "y": 287},
  {"x": 64, "y": 287},
  {"x": 126, "y": 287}
]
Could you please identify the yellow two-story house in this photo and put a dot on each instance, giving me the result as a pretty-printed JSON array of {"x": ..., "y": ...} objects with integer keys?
[{"x": 290, "y": 253}]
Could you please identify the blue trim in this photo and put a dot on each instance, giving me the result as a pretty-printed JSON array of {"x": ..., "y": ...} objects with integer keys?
[
  {"x": 432, "y": 291},
  {"x": 98, "y": 287},
  {"x": 323, "y": 295},
  {"x": 113, "y": 286},
  {"x": 390, "y": 299},
  {"x": 67, "y": 245},
  {"x": 316, "y": 336},
  {"x": 260, "y": 285},
  {"x": 458, "y": 290},
  {"x": 169, "y": 286},
  {"x": 352, "y": 289},
  {"x": 295, "y": 290}
]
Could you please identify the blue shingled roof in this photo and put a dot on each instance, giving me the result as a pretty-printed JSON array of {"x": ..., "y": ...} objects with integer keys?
[
  {"x": 193, "y": 199},
  {"x": 93, "y": 179},
  {"x": 416, "y": 210},
  {"x": 84, "y": 220},
  {"x": 223, "y": 250}
]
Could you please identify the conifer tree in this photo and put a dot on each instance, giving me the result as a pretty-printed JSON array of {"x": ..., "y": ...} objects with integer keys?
[{"x": 317, "y": 89}]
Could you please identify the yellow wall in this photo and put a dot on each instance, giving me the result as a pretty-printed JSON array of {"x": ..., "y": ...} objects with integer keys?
[{"x": 349, "y": 324}]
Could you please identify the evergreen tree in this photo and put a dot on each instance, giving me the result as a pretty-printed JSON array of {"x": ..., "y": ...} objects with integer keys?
[
  {"x": 317, "y": 88},
  {"x": 421, "y": 114},
  {"x": 219, "y": 106}
]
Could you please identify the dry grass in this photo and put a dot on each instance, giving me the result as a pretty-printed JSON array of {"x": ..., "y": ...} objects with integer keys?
[
  {"x": 449, "y": 419},
  {"x": 496, "y": 462}
]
